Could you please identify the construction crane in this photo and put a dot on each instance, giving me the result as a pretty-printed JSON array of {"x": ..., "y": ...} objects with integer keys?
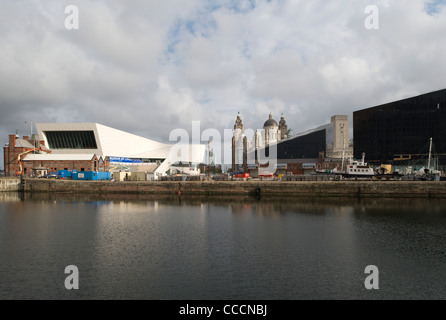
[{"x": 19, "y": 157}]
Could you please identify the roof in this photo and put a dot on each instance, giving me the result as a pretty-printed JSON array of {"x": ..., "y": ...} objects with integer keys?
[
  {"x": 391, "y": 104},
  {"x": 270, "y": 123},
  {"x": 59, "y": 157},
  {"x": 117, "y": 143},
  {"x": 21, "y": 143},
  {"x": 308, "y": 165},
  {"x": 325, "y": 126}
]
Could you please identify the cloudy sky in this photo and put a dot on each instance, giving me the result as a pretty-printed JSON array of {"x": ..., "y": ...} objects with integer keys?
[{"x": 150, "y": 66}]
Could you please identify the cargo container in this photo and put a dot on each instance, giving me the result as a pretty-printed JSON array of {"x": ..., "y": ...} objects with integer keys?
[
  {"x": 66, "y": 174},
  {"x": 91, "y": 175}
]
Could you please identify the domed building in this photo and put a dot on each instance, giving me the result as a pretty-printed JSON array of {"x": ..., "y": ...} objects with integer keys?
[
  {"x": 296, "y": 152},
  {"x": 275, "y": 132},
  {"x": 270, "y": 123},
  {"x": 271, "y": 129},
  {"x": 272, "y": 133}
]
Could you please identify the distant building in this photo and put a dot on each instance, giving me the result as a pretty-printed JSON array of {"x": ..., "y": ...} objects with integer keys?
[
  {"x": 16, "y": 149},
  {"x": 93, "y": 147},
  {"x": 399, "y": 132},
  {"x": 30, "y": 157},
  {"x": 52, "y": 163},
  {"x": 300, "y": 152}
]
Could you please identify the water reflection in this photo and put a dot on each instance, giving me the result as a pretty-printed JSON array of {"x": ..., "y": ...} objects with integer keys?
[
  {"x": 11, "y": 196},
  {"x": 270, "y": 206},
  {"x": 161, "y": 247}
]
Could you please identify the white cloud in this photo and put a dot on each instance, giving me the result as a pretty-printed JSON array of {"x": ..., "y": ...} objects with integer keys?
[{"x": 149, "y": 67}]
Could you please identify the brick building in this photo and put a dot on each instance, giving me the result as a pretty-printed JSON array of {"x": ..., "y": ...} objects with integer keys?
[
  {"x": 94, "y": 147},
  {"x": 308, "y": 166},
  {"x": 17, "y": 147},
  {"x": 36, "y": 159},
  {"x": 55, "y": 162}
]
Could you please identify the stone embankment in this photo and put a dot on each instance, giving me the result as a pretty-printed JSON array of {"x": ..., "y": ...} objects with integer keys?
[
  {"x": 10, "y": 185},
  {"x": 425, "y": 189}
]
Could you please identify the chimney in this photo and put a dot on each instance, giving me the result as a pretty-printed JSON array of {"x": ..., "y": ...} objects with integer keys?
[
  {"x": 26, "y": 138},
  {"x": 321, "y": 157},
  {"x": 12, "y": 138}
]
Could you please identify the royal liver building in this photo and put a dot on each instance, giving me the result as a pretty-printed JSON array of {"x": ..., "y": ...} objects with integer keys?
[
  {"x": 271, "y": 133},
  {"x": 331, "y": 140}
]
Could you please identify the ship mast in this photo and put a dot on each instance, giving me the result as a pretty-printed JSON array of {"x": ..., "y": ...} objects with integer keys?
[
  {"x": 430, "y": 155},
  {"x": 343, "y": 153}
]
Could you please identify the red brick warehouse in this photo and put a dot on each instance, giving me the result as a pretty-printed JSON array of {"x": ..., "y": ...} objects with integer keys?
[{"x": 26, "y": 157}]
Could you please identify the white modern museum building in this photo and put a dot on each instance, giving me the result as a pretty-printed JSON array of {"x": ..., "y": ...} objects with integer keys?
[{"x": 124, "y": 150}]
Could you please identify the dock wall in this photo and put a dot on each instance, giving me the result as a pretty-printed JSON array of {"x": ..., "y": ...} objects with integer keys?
[
  {"x": 10, "y": 185},
  {"x": 426, "y": 189}
]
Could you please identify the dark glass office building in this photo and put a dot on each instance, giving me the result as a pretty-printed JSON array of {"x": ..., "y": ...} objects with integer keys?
[
  {"x": 306, "y": 145},
  {"x": 399, "y": 132}
]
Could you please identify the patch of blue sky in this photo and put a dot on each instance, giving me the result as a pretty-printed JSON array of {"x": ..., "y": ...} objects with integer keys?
[
  {"x": 181, "y": 33},
  {"x": 242, "y": 6},
  {"x": 246, "y": 50},
  {"x": 212, "y": 5},
  {"x": 236, "y": 6},
  {"x": 204, "y": 99},
  {"x": 174, "y": 36},
  {"x": 201, "y": 25},
  {"x": 434, "y": 7}
]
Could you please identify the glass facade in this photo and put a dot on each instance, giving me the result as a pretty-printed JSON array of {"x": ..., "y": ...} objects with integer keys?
[
  {"x": 304, "y": 147},
  {"x": 70, "y": 139},
  {"x": 401, "y": 129}
]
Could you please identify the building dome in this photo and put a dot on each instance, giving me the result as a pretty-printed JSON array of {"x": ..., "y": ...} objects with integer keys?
[{"x": 270, "y": 122}]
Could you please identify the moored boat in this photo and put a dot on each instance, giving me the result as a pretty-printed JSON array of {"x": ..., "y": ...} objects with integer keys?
[{"x": 357, "y": 169}]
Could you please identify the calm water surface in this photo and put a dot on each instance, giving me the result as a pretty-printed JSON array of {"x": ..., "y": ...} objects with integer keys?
[{"x": 228, "y": 248}]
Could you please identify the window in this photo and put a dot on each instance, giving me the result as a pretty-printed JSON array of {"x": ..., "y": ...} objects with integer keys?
[{"x": 71, "y": 139}]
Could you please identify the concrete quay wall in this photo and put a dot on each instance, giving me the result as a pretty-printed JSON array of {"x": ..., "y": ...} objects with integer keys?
[
  {"x": 10, "y": 184},
  {"x": 426, "y": 189}
]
